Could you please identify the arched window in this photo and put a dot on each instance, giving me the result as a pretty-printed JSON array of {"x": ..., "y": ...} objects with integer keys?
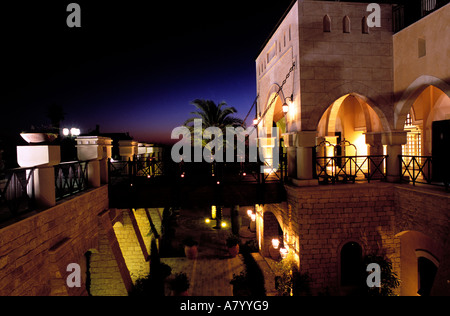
[
  {"x": 351, "y": 264},
  {"x": 427, "y": 269},
  {"x": 327, "y": 23},
  {"x": 346, "y": 24},
  {"x": 365, "y": 26}
]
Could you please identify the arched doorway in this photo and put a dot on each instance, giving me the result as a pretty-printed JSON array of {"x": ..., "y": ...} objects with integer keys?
[
  {"x": 342, "y": 132},
  {"x": 427, "y": 270},
  {"x": 431, "y": 105},
  {"x": 272, "y": 231},
  {"x": 419, "y": 263},
  {"x": 350, "y": 117},
  {"x": 351, "y": 258},
  {"x": 428, "y": 127},
  {"x": 272, "y": 129}
]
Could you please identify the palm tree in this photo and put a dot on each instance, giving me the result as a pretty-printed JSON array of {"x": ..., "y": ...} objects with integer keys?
[
  {"x": 213, "y": 115},
  {"x": 56, "y": 114}
]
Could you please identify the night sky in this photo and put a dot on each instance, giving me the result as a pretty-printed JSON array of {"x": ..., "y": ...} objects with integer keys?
[{"x": 133, "y": 66}]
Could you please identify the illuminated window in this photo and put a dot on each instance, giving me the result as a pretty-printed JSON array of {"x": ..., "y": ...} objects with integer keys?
[{"x": 413, "y": 146}]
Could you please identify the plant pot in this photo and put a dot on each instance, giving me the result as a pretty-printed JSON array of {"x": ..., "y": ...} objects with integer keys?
[
  {"x": 234, "y": 251},
  {"x": 38, "y": 138},
  {"x": 191, "y": 252}
]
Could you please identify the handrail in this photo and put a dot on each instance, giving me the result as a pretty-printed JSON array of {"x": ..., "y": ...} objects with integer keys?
[
  {"x": 351, "y": 168},
  {"x": 70, "y": 178},
  {"x": 17, "y": 194},
  {"x": 419, "y": 169}
]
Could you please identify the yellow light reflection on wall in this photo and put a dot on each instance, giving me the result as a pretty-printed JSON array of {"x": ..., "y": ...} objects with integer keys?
[{"x": 213, "y": 212}]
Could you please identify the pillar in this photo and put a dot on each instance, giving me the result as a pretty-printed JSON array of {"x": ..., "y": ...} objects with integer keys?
[
  {"x": 289, "y": 142},
  {"x": 44, "y": 157},
  {"x": 96, "y": 150},
  {"x": 306, "y": 143},
  {"x": 394, "y": 141},
  {"x": 128, "y": 149},
  {"x": 374, "y": 142}
]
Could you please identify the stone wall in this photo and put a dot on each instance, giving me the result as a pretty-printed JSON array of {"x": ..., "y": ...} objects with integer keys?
[
  {"x": 335, "y": 63},
  {"x": 35, "y": 252},
  {"x": 384, "y": 219}
]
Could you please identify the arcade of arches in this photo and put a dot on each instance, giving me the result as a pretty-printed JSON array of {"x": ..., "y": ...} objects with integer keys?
[{"x": 321, "y": 225}]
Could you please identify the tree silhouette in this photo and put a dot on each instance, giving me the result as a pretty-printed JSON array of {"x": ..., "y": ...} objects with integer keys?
[{"x": 56, "y": 114}]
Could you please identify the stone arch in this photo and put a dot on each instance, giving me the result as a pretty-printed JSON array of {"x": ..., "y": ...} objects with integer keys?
[
  {"x": 375, "y": 100},
  {"x": 327, "y": 23},
  {"x": 415, "y": 245},
  {"x": 346, "y": 24},
  {"x": 350, "y": 258},
  {"x": 275, "y": 111},
  {"x": 404, "y": 105},
  {"x": 272, "y": 228}
]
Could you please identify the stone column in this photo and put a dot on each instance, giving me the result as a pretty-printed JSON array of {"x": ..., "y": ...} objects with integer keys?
[
  {"x": 96, "y": 150},
  {"x": 374, "y": 140},
  {"x": 44, "y": 157},
  {"x": 306, "y": 143},
  {"x": 394, "y": 141},
  {"x": 128, "y": 149},
  {"x": 289, "y": 142}
]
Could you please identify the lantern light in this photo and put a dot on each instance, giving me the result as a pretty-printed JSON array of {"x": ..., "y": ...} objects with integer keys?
[
  {"x": 275, "y": 243},
  {"x": 249, "y": 213},
  {"x": 253, "y": 217},
  {"x": 283, "y": 253},
  {"x": 285, "y": 108}
]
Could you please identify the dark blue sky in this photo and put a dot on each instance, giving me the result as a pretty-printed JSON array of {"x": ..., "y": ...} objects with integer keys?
[{"x": 133, "y": 66}]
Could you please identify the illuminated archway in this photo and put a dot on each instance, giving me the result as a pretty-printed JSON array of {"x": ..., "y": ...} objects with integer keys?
[
  {"x": 417, "y": 251},
  {"x": 412, "y": 93},
  {"x": 350, "y": 117}
]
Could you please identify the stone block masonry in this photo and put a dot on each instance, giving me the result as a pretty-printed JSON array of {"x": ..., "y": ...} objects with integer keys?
[
  {"x": 35, "y": 252},
  {"x": 321, "y": 220}
]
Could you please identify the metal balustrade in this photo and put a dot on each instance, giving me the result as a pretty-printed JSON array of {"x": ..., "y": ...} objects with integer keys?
[
  {"x": 70, "y": 178},
  {"x": 419, "y": 169},
  {"x": 350, "y": 168},
  {"x": 16, "y": 192},
  {"x": 192, "y": 172}
]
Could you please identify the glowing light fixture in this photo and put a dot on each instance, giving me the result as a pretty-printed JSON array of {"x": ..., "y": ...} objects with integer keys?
[
  {"x": 285, "y": 108},
  {"x": 75, "y": 131},
  {"x": 207, "y": 221},
  {"x": 283, "y": 253},
  {"x": 224, "y": 224},
  {"x": 275, "y": 243},
  {"x": 253, "y": 217},
  {"x": 66, "y": 132}
]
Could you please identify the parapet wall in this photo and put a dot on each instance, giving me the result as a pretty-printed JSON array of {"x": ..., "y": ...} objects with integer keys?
[{"x": 35, "y": 252}]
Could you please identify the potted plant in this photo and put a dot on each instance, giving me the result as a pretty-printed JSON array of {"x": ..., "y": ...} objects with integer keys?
[
  {"x": 40, "y": 135},
  {"x": 179, "y": 285},
  {"x": 190, "y": 248},
  {"x": 233, "y": 245}
]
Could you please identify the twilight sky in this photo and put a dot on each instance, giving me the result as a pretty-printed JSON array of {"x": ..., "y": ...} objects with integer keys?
[{"x": 133, "y": 66}]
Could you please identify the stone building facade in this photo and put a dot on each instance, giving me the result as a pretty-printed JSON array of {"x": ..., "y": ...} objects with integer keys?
[{"x": 360, "y": 84}]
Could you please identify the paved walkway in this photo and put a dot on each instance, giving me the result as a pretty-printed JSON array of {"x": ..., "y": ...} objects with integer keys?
[{"x": 210, "y": 274}]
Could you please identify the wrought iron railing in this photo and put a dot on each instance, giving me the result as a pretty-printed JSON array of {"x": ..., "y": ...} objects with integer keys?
[
  {"x": 70, "y": 178},
  {"x": 419, "y": 169},
  {"x": 16, "y": 193},
  {"x": 192, "y": 172},
  {"x": 350, "y": 168}
]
